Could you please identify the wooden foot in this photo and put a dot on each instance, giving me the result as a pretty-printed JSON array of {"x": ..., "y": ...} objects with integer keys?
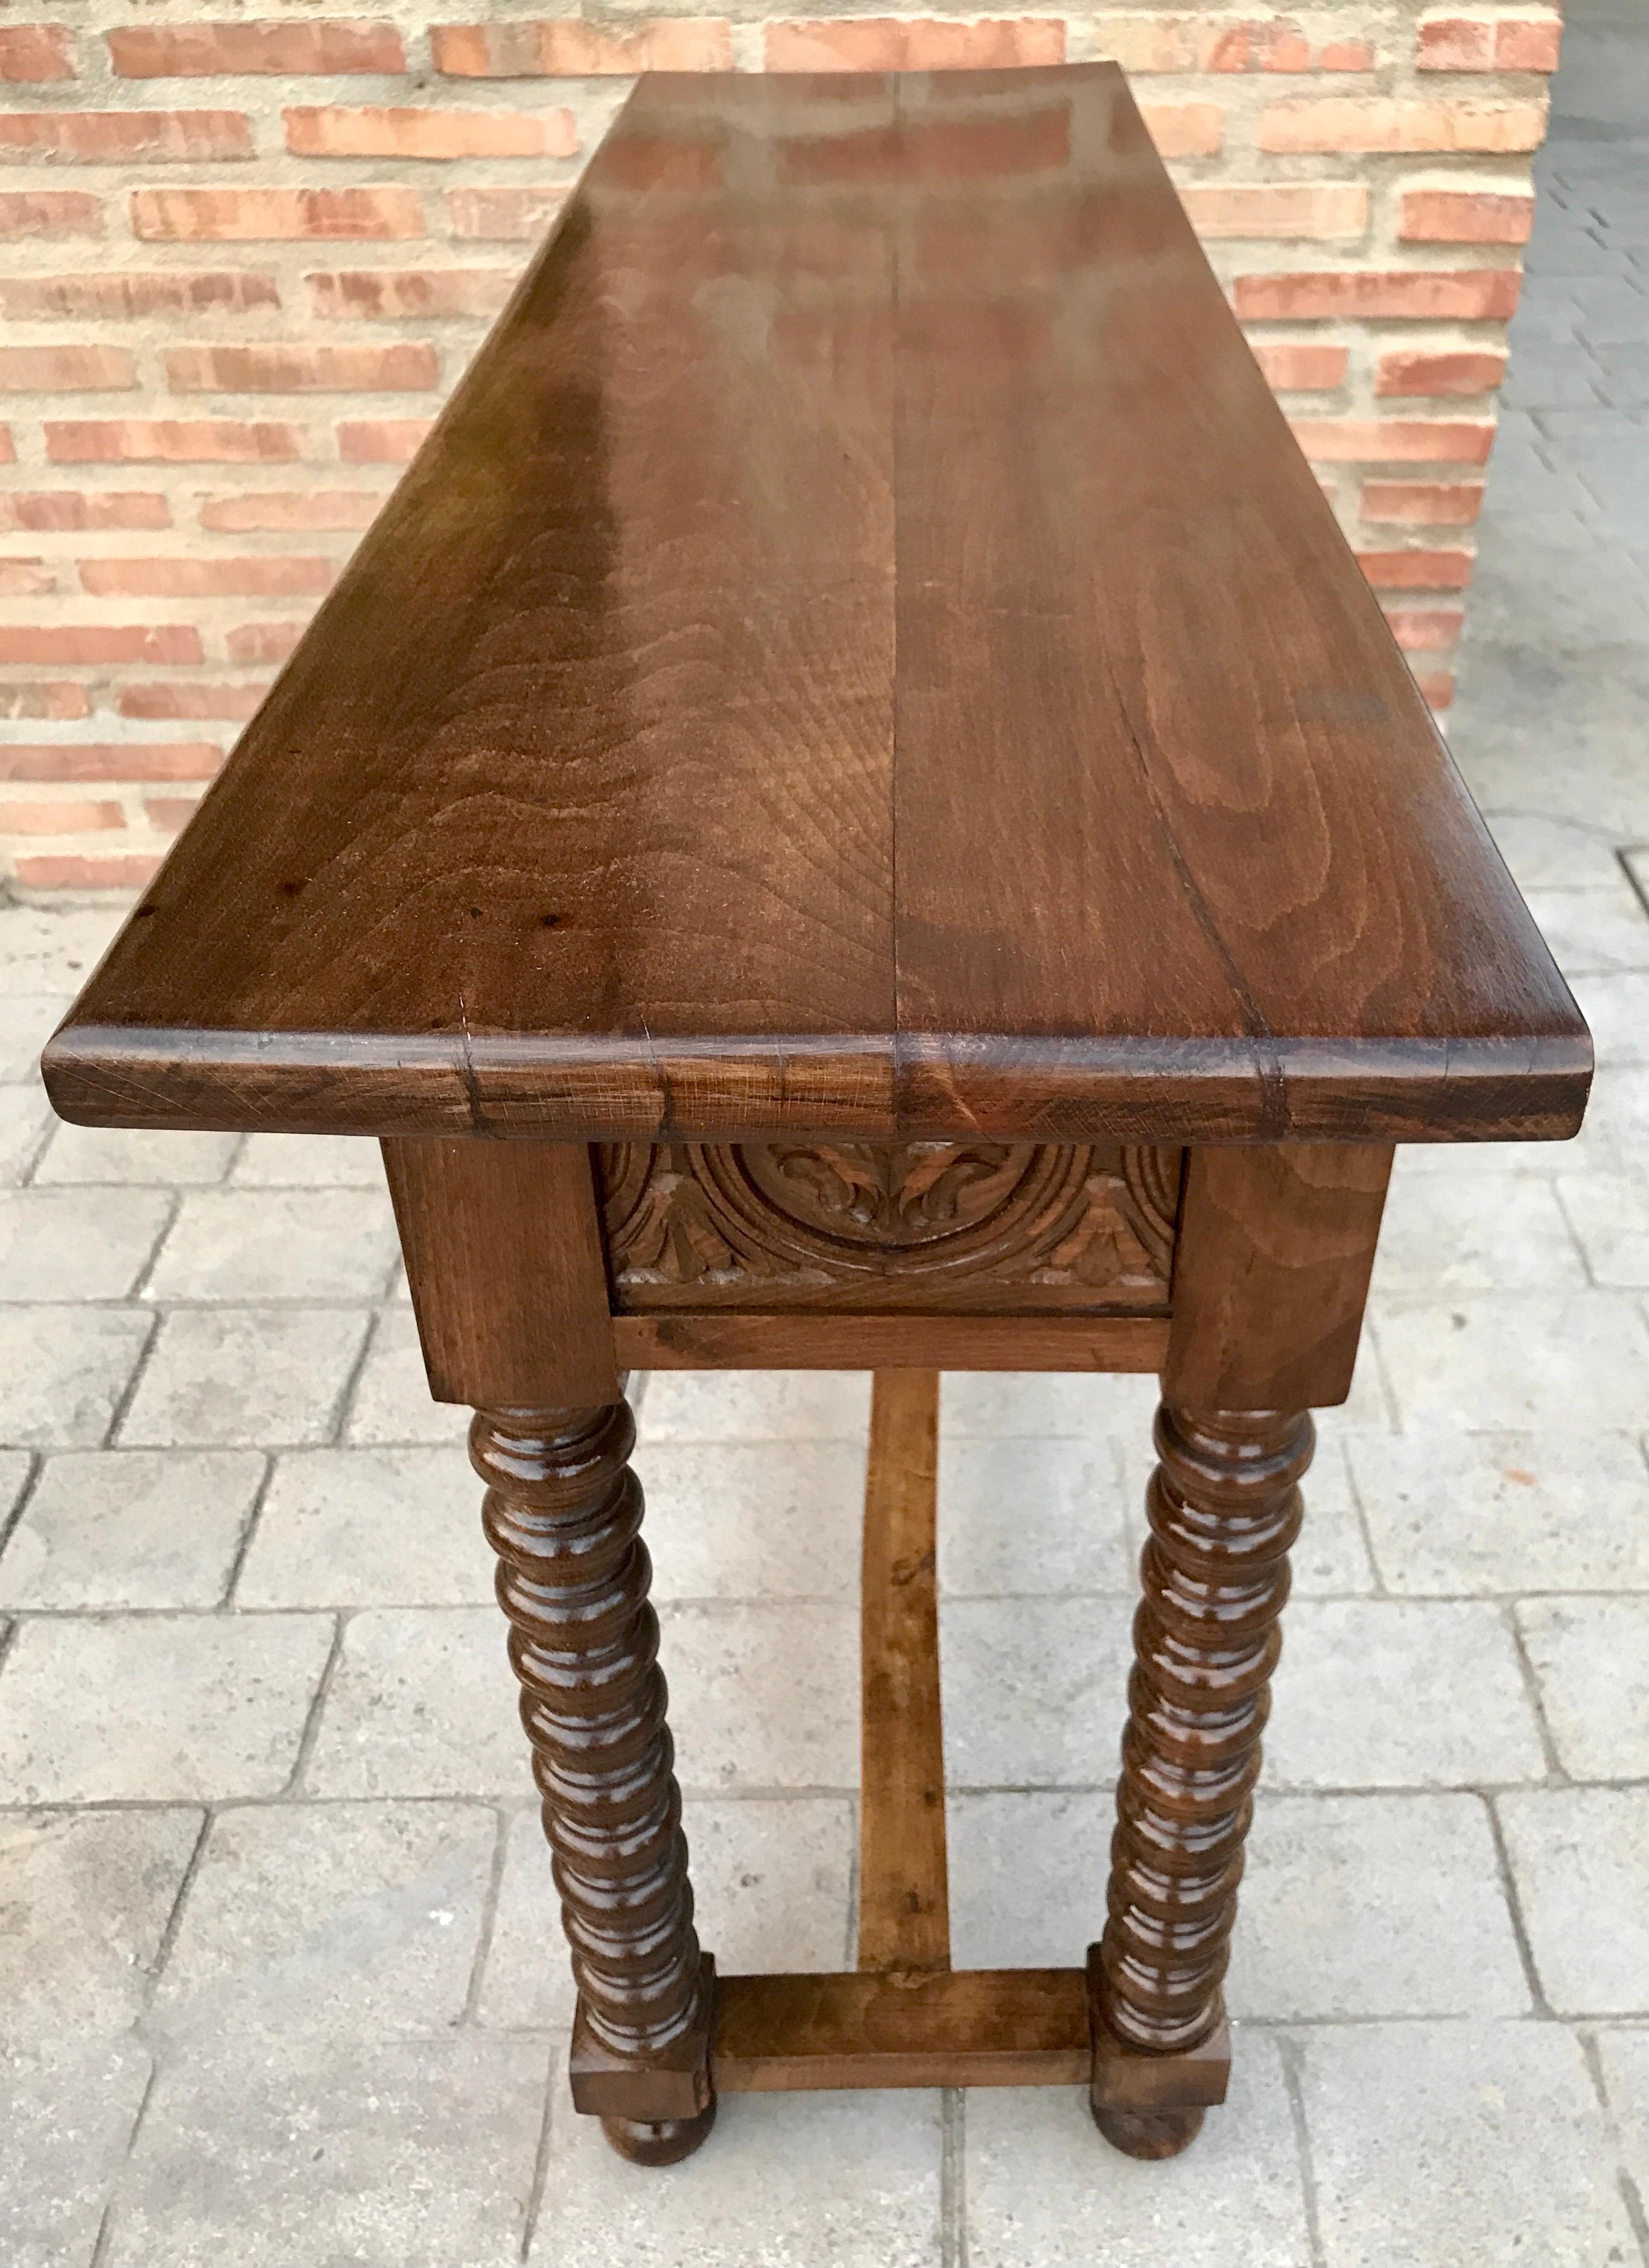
[
  {"x": 659, "y": 2141},
  {"x": 1223, "y": 1506},
  {"x": 563, "y": 1513},
  {"x": 1149, "y": 2133}
]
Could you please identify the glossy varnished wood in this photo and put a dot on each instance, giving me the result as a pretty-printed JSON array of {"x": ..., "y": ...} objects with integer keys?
[
  {"x": 904, "y": 1910},
  {"x": 562, "y": 1511},
  {"x": 861, "y": 654}
]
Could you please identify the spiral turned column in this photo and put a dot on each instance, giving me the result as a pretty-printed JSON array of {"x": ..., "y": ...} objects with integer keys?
[
  {"x": 1223, "y": 1506},
  {"x": 564, "y": 1511}
]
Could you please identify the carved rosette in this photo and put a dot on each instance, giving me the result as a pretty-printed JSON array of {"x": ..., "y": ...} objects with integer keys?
[{"x": 1058, "y": 1224}]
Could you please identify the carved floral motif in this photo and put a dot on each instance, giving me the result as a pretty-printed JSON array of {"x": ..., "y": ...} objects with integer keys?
[{"x": 762, "y": 1218}]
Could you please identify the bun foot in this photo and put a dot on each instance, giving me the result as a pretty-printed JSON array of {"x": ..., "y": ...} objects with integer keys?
[
  {"x": 1149, "y": 2133},
  {"x": 659, "y": 2141}
]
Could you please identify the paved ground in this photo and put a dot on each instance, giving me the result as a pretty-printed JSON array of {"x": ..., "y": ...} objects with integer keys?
[{"x": 279, "y": 1974}]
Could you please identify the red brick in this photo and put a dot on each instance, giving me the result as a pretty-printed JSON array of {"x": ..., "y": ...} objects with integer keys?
[
  {"x": 1423, "y": 504},
  {"x": 1278, "y": 209},
  {"x": 504, "y": 216},
  {"x": 118, "y": 137},
  {"x": 1464, "y": 294},
  {"x": 178, "y": 291},
  {"x": 380, "y": 133},
  {"x": 65, "y": 370},
  {"x": 1417, "y": 571},
  {"x": 1184, "y": 129},
  {"x": 1426, "y": 629},
  {"x": 382, "y": 440},
  {"x": 408, "y": 367},
  {"x": 155, "y": 698},
  {"x": 1300, "y": 366},
  {"x": 1527, "y": 46},
  {"x": 1506, "y": 43},
  {"x": 1372, "y": 123},
  {"x": 343, "y": 509},
  {"x": 8, "y": 446},
  {"x": 1346, "y": 56},
  {"x": 253, "y": 643},
  {"x": 25, "y": 578},
  {"x": 63, "y": 644},
  {"x": 35, "y": 53},
  {"x": 1477, "y": 371},
  {"x": 207, "y": 579},
  {"x": 245, "y": 216},
  {"x": 161, "y": 441},
  {"x": 202, "y": 50},
  {"x": 390, "y": 292},
  {"x": 877, "y": 43},
  {"x": 81, "y": 816},
  {"x": 50, "y": 212},
  {"x": 1148, "y": 43},
  {"x": 1436, "y": 688},
  {"x": 170, "y": 814},
  {"x": 119, "y": 760},
  {"x": 54, "y": 697},
  {"x": 73, "y": 874},
  {"x": 563, "y": 47},
  {"x": 1466, "y": 216},
  {"x": 1395, "y": 440}
]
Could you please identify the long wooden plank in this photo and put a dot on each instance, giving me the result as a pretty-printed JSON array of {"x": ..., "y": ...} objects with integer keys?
[
  {"x": 751, "y": 1342},
  {"x": 578, "y": 788},
  {"x": 952, "y": 2028},
  {"x": 904, "y": 1903},
  {"x": 860, "y": 651},
  {"x": 1162, "y": 769}
]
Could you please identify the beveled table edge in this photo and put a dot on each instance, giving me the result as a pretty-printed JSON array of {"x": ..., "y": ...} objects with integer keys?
[{"x": 874, "y": 1087}]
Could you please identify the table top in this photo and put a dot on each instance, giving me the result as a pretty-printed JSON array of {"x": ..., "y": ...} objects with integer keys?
[{"x": 861, "y": 651}]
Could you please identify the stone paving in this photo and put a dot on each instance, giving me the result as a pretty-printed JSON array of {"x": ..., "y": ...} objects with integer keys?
[{"x": 280, "y": 1978}]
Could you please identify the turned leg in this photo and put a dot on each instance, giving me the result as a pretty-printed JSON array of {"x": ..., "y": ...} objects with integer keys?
[
  {"x": 1223, "y": 1506},
  {"x": 563, "y": 1513}
]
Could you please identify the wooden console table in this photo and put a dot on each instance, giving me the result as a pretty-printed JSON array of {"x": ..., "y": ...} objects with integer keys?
[{"x": 855, "y": 810}]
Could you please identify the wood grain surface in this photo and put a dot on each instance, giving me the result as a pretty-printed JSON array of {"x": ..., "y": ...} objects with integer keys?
[
  {"x": 861, "y": 652},
  {"x": 949, "y": 2027},
  {"x": 904, "y": 1920}
]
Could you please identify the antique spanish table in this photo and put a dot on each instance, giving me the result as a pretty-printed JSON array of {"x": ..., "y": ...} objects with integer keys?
[{"x": 855, "y": 810}]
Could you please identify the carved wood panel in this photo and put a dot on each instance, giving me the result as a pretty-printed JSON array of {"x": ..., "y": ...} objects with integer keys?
[{"x": 962, "y": 1226}]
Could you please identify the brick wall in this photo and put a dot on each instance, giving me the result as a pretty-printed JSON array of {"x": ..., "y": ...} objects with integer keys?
[{"x": 243, "y": 259}]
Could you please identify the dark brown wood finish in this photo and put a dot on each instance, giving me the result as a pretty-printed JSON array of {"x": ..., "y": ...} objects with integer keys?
[
  {"x": 1274, "y": 1249},
  {"x": 506, "y": 1267},
  {"x": 904, "y": 1899},
  {"x": 854, "y": 1342},
  {"x": 562, "y": 1511},
  {"x": 861, "y": 654}
]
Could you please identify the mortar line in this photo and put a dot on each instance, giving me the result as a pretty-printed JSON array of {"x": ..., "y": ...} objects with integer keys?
[
  {"x": 128, "y": 1395},
  {"x": 1519, "y": 1928},
  {"x": 541, "y": 2162},
  {"x": 248, "y": 1530},
  {"x": 1537, "y": 1699},
  {"x": 502, "y": 1821},
  {"x": 954, "y": 2178},
  {"x": 1631, "y": 2197},
  {"x": 294, "y": 1786},
  {"x": 1291, "y": 2056}
]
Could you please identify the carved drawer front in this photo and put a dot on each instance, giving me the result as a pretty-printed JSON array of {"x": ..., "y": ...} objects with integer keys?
[{"x": 962, "y": 1228}]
